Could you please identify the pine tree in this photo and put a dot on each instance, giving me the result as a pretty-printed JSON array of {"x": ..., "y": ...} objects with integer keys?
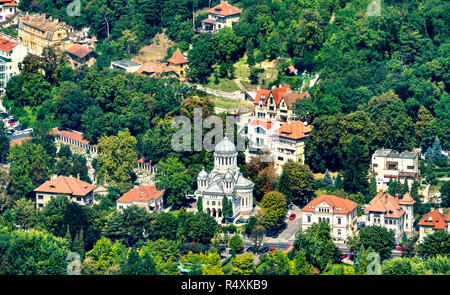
[
  {"x": 68, "y": 237},
  {"x": 284, "y": 185},
  {"x": 338, "y": 182},
  {"x": 405, "y": 186},
  {"x": 227, "y": 207},
  {"x": 428, "y": 155},
  {"x": 436, "y": 151},
  {"x": 200, "y": 204},
  {"x": 78, "y": 243},
  {"x": 356, "y": 163},
  {"x": 372, "y": 190},
  {"x": 327, "y": 181},
  {"x": 391, "y": 186}
]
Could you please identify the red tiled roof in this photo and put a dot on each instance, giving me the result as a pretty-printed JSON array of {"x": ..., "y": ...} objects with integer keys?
[
  {"x": 224, "y": 9},
  {"x": 280, "y": 93},
  {"x": 294, "y": 130},
  {"x": 7, "y": 45},
  {"x": 75, "y": 135},
  {"x": 66, "y": 185},
  {"x": 435, "y": 219},
  {"x": 290, "y": 98},
  {"x": 264, "y": 124},
  {"x": 340, "y": 205},
  {"x": 209, "y": 21},
  {"x": 387, "y": 204},
  {"x": 407, "y": 200},
  {"x": 10, "y": 4},
  {"x": 142, "y": 161},
  {"x": 18, "y": 141},
  {"x": 178, "y": 58},
  {"x": 261, "y": 92},
  {"x": 155, "y": 70},
  {"x": 141, "y": 193},
  {"x": 79, "y": 50}
]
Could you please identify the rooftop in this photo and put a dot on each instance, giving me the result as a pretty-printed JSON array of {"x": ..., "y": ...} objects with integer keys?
[
  {"x": 125, "y": 63},
  {"x": 66, "y": 185},
  {"x": 340, "y": 205},
  {"x": 141, "y": 193},
  {"x": 7, "y": 45},
  {"x": 435, "y": 219},
  {"x": 388, "y": 153},
  {"x": 224, "y": 9},
  {"x": 79, "y": 50},
  {"x": 178, "y": 58},
  {"x": 41, "y": 22},
  {"x": 294, "y": 130},
  {"x": 387, "y": 204}
]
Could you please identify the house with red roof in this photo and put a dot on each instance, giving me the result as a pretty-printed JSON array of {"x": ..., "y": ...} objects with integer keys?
[
  {"x": 8, "y": 8},
  {"x": 180, "y": 64},
  {"x": 144, "y": 196},
  {"x": 80, "y": 55},
  {"x": 76, "y": 190},
  {"x": 11, "y": 55},
  {"x": 435, "y": 220},
  {"x": 220, "y": 16},
  {"x": 277, "y": 103},
  {"x": 341, "y": 215}
]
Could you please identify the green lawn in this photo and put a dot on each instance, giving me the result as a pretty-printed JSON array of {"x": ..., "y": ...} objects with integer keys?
[
  {"x": 229, "y": 104},
  {"x": 224, "y": 85}
]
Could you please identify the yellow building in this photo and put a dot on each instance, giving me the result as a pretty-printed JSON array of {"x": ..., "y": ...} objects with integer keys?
[
  {"x": 36, "y": 32},
  {"x": 180, "y": 64}
]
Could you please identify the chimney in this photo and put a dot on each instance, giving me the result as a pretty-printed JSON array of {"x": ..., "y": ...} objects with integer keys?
[
  {"x": 54, "y": 176},
  {"x": 441, "y": 211},
  {"x": 396, "y": 197},
  {"x": 78, "y": 176}
]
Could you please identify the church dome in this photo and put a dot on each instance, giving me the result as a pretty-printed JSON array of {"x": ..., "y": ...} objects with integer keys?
[
  {"x": 225, "y": 147},
  {"x": 228, "y": 177},
  {"x": 203, "y": 174}
]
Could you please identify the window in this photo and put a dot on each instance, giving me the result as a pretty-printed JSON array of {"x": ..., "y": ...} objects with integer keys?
[
  {"x": 40, "y": 205},
  {"x": 280, "y": 158},
  {"x": 309, "y": 218},
  {"x": 121, "y": 207},
  {"x": 339, "y": 220},
  {"x": 40, "y": 197},
  {"x": 410, "y": 167},
  {"x": 339, "y": 231},
  {"x": 375, "y": 165},
  {"x": 79, "y": 199}
]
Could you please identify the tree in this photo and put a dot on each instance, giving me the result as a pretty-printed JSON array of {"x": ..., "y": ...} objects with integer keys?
[
  {"x": 201, "y": 227},
  {"x": 327, "y": 181},
  {"x": 236, "y": 243},
  {"x": 278, "y": 263},
  {"x": 137, "y": 265},
  {"x": 24, "y": 214},
  {"x": 436, "y": 153},
  {"x": 300, "y": 187},
  {"x": 437, "y": 243},
  {"x": 380, "y": 239},
  {"x": 372, "y": 189},
  {"x": 227, "y": 207},
  {"x": 105, "y": 257},
  {"x": 199, "y": 204},
  {"x": 338, "y": 182},
  {"x": 201, "y": 57},
  {"x": 4, "y": 145},
  {"x": 117, "y": 159},
  {"x": 206, "y": 264},
  {"x": 339, "y": 269},
  {"x": 70, "y": 106},
  {"x": 243, "y": 264},
  {"x": 275, "y": 208},
  {"x": 300, "y": 265},
  {"x": 445, "y": 194},
  {"x": 172, "y": 177},
  {"x": 78, "y": 243},
  {"x": 250, "y": 225},
  {"x": 356, "y": 164},
  {"x": 164, "y": 226}
]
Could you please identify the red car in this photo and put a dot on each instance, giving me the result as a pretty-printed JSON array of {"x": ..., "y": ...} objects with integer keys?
[
  {"x": 400, "y": 248},
  {"x": 271, "y": 250},
  {"x": 344, "y": 255},
  {"x": 292, "y": 217}
]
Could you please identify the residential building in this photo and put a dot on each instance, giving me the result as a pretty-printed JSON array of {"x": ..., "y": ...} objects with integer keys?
[
  {"x": 36, "y": 32},
  {"x": 277, "y": 103},
  {"x": 341, "y": 215},
  {"x": 126, "y": 66},
  {"x": 145, "y": 165},
  {"x": 225, "y": 181},
  {"x": 144, "y": 196},
  {"x": 220, "y": 16},
  {"x": 387, "y": 163},
  {"x": 80, "y": 55},
  {"x": 407, "y": 204},
  {"x": 11, "y": 56},
  {"x": 76, "y": 190},
  {"x": 259, "y": 133},
  {"x": 289, "y": 143},
  {"x": 74, "y": 138},
  {"x": 157, "y": 69},
  {"x": 388, "y": 211},
  {"x": 8, "y": 8},
  {"x": 435, "y": 220},
  {"x": 180, "y": 64}
]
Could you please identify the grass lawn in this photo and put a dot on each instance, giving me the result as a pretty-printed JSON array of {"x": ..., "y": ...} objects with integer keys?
[
  {"x": 224, "y": 84},
  {"x": 229, "y": 104}
]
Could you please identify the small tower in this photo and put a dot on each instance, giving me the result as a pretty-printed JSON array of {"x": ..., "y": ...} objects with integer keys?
[
  {"x": 228, "y": 183},
  {"x": 202, "y": 180}
]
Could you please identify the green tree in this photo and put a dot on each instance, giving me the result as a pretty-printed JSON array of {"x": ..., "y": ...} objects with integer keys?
[
  {"x": 104, "y": 258},
  {"x": 445, "y": 194},
  {"x": 24, "y": 214},
  {"x": 275, "y": 208},
  {"x": 236, "y": 243},
  {"x": 356, "y": 164},
  {"x": 243, "y": 264},
  {"x": 437, "y": 243},
  {"x": 327, "y": 181},
  {"x": 300, "y": 265},
  {"x": 380, "y": 239},
  {"x": 227, "y": 207},
  {"x": 300, "y": 187}
]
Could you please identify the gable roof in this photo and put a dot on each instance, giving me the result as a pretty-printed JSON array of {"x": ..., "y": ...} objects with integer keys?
[
  {"x": 435, "y": 219},
  {"x": 407, "y": 200},
  {"x": 178, "y": 58},
  {"x": 264, "y": 124},
  {"x": 75, "y": 135},
  {"x": 66, "y": 185},
  {"x": 294, "y": 130},
  {"x": 141, "y": 193},
  {"x": 224, "y": 9},
  {"x": 290, "y": 98},
  {"x": 154, "y": 70},
  {"x": 79, "y": 50},
  {"x": 7, "y": 45},
  {"x": 387, "y": 204},
  {"x": 340, "y": 205}
]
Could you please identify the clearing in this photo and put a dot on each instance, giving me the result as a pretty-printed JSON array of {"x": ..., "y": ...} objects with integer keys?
[{"x": 157, "y": 50}]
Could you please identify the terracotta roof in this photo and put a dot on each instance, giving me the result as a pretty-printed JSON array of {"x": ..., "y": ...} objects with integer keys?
[
  {"x": 155, "y": 70},
  {"x": 41, "y": 22},
  {"x": 387, "y": 204},
  {"x": 178, "y": 58},
  {"x": 79, "y": 50},
  {"x": 66, "y": 185},
  {"x": 435, "y": 219},
  {"x": 294, "y": 130},
  {"x": 264, "y": 124},
  {"x": 261, "y": 92},
  {"x": 141, "y": 193},
  {"x": 278, "y": 93},
  {"x": 75, "y": 135},
  {"x": 340, "y": 205},
  {"x": 143, "y": 161},
  {"x": 407, "y": 200},
  {"x": 224, "y": 9},
  {"x": 290, "y": 98},
  {"x": 7, "y": 45},
  {"x": 10, "y": 4},
  {"x": 19, "y": 141},
  {"x": 209, "y": 21}
]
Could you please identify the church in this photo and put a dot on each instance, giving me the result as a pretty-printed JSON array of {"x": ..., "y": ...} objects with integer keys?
[{"x": 225, "y": 181}]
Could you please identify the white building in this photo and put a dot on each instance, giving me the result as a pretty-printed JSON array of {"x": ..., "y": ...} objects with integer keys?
[
  {"x": 389, "y": 163},
  {"x": 341, "y": 215},
  {"x": 127, "y": 66},
  {"x": 392, "y": 213},
  {"x": 144, "y": 196},
  {"x": 225, "y": 181},
  {"x": 11, "y": 55},
  {"x": 220, "y": 16},
  {"x": 436, "y": 220},
  {"x": 260, "y": 137},
  {"x": 7, "y": 9}
]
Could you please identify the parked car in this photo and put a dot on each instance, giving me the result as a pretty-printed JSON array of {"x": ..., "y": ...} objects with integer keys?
[
  {"x": 400, "y": 248},
  {"x": 263, "y": 250},
  {"x": 345, "y": 255},
  {"x": 292, "y": 216},
  {"x": 271, "y": 250},
  {"x": 242, "y": 220},
  {"x": 19, "y": 127},
  {"x": 249, "y": 249},
  {"x": 227, "y": 220}
]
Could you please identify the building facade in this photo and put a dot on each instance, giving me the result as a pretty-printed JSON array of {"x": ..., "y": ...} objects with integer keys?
[
  {"x": 36, "y": 32},
  {"x": 11, "y": 56},
  {"x": 76, "y": 190},
  {"x": 220, "y": 16},
  {"x": 259, "y": 133},
  {"x": 126, "y": 66},
  {"x": 80, "y": 55},
  {"x": 8, "y": 8},
  {"x": 434, "y": 221},
  {"x": 225, "y": 181},
  {"x": 387, "y": 163},
  {"x": 143, "y": 196},
  {"x": 341, "y": 215},
  {"x": 180, "y": 64}
]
